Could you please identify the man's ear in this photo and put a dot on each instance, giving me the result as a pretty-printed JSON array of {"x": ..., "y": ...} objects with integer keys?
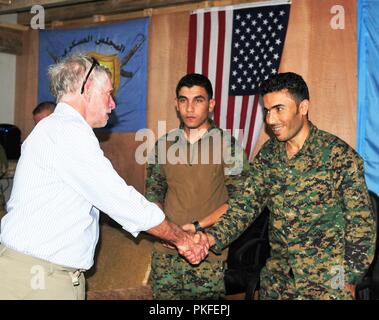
[
  {"x": 304, "y": 107},
  {"x": 212, "y": 104},
  {"x": 87, "y": 87},
  {"x": 176, "y": 105},
  {"x": 177, "y": 108}
]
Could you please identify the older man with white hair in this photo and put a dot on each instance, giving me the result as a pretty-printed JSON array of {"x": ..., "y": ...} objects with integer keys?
[{"x": 62, "y": 181}]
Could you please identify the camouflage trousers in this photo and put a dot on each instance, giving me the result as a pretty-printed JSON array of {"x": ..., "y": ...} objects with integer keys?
[
  {"x": 173, "y": 278},
  {"x": 275, "y": 285}
]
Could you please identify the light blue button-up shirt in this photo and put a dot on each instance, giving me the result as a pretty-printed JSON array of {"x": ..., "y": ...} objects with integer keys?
[{"x": 62, "y": 180}]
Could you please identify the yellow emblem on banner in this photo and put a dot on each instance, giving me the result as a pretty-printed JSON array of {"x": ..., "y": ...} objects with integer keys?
[{"x": 112, "y": 62}]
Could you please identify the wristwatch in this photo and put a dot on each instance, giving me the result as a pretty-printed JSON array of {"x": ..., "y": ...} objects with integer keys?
[{"x": 197, "y": 225}]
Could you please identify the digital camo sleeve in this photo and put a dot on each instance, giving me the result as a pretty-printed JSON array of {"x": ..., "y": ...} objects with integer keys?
[
  {"x": 236, "y": 167},
  {"x": 360, "y": 231},
  {"x": 156, "y": 184},
  {"x": 245, "y": 206}
]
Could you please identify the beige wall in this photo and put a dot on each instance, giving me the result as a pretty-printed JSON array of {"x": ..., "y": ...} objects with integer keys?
[
  {"x": 7, "y": 88},
  {"x": 8, "y": 74},
  {"x": 325, "y": 57},
  {"x": 26, "y": 83},
  {"x": 167, "y": 64}
]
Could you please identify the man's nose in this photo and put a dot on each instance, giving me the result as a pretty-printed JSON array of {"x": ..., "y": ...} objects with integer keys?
[
  {"x": 270, "y": 118},
  {"x": 112, "y": 104},
  {"x": 190, "y": 106}
]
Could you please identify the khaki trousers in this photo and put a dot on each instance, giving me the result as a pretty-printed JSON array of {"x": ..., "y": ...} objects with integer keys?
[{"x": 24, "y": 277}]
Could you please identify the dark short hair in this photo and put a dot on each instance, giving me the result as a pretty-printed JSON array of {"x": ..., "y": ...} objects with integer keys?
[
  {"x": 294, "y": 83},
  {"x": 44, "y": 105},
  {"x": 195, "y": 79}
]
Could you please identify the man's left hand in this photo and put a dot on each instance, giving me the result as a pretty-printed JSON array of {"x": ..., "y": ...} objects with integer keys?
[{"x": 196, "y": 248}]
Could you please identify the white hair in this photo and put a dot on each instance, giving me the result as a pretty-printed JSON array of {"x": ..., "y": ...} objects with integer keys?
[{"x": 68, "y": 75}]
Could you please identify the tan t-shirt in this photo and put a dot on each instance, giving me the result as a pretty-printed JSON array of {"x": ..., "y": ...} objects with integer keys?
[{"x": 195, "y": 180}]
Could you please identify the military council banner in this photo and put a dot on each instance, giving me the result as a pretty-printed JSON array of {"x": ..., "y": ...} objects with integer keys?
[{"x": 122, "y": 47}]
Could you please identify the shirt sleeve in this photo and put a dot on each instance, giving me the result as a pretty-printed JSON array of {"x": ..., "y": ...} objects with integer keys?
[
  {"x": 82, "y": 165},
  {"x": 244, "y": 207},
  {"x": 156, "y": 183},
  {"x": 236, "y": 167},
  {"x": 360, "y": 228}
]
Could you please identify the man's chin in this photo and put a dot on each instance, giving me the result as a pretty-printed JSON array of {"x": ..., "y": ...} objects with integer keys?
[
  {"x": 281, "y": 139},
  {"x": 100, "y": 125},
  {"x": 191, "y": 126}
]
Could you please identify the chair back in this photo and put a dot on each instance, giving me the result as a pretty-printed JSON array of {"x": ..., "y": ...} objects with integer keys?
[{"x": 246, "y": 256}]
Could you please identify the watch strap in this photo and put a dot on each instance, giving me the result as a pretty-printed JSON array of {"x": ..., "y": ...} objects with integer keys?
[{"x": 197, "y": 225}]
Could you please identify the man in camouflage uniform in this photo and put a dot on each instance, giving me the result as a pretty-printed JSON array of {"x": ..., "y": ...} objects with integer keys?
[
  {"x": 322, "y": 228},
  {"x": 191, "y": 174}
]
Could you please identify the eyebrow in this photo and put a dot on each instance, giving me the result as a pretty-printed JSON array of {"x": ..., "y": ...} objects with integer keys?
[
  {"x": 196, "y": 97},
  {"x": 275, "y": 106}
]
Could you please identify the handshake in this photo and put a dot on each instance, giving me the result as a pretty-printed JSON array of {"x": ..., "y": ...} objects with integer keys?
[
  {"x": 193, "y": 246},
  {"x": 190, "y": 244}
]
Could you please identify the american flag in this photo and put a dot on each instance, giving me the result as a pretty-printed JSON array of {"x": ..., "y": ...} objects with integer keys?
[{"x": 237, "y": 47}]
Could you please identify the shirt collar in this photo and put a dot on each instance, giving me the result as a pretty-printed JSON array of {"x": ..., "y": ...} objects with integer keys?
[
  {"x": 307, "y": 146},
  {"x": 309, "y": 142},
  {"x": 182, "y": 137},
  {"x": 210, "y": 121},
  {"x": 66, "y": 109}
]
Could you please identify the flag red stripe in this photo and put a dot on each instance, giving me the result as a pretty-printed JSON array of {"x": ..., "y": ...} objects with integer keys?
[
  {"x": 230, "y": 113},
  {"x": 191, "y": 51},
  {"x": 220, "y": 65},
  {"x": 245, "y": 102},
  {"x": 206, "y": 43},
  {"x": 252, "y": 124}
]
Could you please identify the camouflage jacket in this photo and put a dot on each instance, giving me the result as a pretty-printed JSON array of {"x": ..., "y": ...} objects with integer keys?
[{"x": 320, "y": 213}]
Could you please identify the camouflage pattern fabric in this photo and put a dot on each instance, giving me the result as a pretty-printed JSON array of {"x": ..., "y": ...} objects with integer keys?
[
  {"x": 173, "y": 278},
  {"x": 322, "y": 228},
  {"x": 156, "y": 184}
]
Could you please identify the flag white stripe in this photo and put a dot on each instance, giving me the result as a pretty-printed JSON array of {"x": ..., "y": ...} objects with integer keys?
[
  {"x": 213, "y": 46},
  {"x": 237, "y": 114},
  {"x": 226, "y": 69}
]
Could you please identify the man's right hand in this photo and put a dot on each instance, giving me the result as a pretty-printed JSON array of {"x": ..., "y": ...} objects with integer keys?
[{"x": 194, "y": 247}]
